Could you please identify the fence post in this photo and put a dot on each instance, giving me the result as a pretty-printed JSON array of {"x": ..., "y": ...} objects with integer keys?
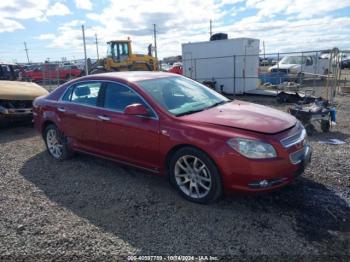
[
  {"x": 315, "y": 72},
  {"x": 301, "y": 68},
  {"x": 58, "y": 74},
  {"x": 278, "y": 68},
  {"x": 234, "y": 75},
  {"x": 195, "y": 69}
]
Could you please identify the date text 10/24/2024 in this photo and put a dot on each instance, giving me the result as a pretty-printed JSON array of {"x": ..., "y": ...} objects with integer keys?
[{"x": 172, "y": 258}]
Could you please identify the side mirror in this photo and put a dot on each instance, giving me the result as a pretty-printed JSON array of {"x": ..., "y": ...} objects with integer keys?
[{"x": 136, "y": 110}]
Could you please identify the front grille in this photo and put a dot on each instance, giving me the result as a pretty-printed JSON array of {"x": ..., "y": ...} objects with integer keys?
[
  {"x": 294, "y": 139},
  {"x": 16, "y": 104},
  {"x": 280, "y": 70}
]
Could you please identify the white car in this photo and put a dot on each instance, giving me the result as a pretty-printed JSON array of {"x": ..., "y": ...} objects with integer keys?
[{"x": 301, "y": 65}]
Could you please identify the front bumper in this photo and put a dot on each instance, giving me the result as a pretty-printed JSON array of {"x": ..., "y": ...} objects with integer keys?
[
  {"x": 265, "y": 175},
  {"x": 16, "y": 115}
]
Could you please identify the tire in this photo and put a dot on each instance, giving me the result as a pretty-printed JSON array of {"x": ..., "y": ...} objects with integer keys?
[
  {"x": 203, "y": 178},
  {"x": 325, "y": 125},
  {"x": 57, "y": 145},
  {"x": 310, "y": 129}
]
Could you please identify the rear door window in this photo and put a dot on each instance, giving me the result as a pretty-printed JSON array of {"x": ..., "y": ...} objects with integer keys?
[{"x": 84, "y": 93}]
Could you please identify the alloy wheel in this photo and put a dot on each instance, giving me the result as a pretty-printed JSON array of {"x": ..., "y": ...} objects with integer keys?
[
  {"x": 193, "y": 176},
  {"x": 53, "y": 143}
]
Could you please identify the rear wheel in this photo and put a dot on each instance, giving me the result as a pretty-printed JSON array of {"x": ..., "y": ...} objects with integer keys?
[
  {"x": 195, "y": 176},
  {"x": 325, "y": 125},
  {"x": 56, "y": 143}
]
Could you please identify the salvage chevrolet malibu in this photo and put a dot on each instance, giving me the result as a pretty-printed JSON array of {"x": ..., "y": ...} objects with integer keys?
[{"x": 171, "y": 125}]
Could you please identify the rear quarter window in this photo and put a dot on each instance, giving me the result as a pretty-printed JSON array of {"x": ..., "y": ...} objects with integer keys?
[{"x": 83, "y": 93}]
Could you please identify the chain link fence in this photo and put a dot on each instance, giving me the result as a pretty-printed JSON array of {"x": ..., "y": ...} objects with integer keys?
[
  {"x": 321, "y": 73},
  {"x": 50, "y": 74}
]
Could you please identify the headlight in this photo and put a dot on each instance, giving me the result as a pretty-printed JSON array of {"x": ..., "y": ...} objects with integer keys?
[
  {"x": 252, "y": 148},
  {"x": 293, "y": 71}
]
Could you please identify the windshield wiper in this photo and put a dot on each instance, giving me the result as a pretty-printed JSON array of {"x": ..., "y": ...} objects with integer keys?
[
  {"x": 202, "y": 109},
  {"x": 218, "y": 103},
  {"x": 189, "y": 112}
]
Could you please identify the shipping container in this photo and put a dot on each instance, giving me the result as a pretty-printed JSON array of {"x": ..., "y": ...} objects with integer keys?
[{"x": 232, "y": 63}]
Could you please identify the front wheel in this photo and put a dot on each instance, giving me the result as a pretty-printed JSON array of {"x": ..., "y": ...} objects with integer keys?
[
  {"x": 56, "y": 143},
  {"x": 195, "y": 176}
]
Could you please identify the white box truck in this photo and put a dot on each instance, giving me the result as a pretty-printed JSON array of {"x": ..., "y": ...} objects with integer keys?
[{"x": 231, "y": 63}]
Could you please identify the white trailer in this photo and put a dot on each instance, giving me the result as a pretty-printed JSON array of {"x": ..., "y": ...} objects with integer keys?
[{"x": 232, "y": 63}]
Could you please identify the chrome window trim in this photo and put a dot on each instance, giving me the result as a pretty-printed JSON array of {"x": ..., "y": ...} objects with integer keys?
[
  {"x": 298, "y": 140},
  {"x": 155, "y": 117}
]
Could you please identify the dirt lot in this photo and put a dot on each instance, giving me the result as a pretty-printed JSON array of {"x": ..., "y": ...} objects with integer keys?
[{"x": 88, "y": 208}]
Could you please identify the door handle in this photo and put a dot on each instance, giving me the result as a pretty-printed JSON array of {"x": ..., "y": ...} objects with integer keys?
[
  {"x": 61, "y": 109},
  {"x": 104, "y": 118}
]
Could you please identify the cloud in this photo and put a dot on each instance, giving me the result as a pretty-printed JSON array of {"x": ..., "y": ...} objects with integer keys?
[
  {"x": 285, "y": 25},
  {"x": 288, "y": 25},
  {"x": 12, "y": 11},
  {"x": 83, "y": 4},
  {"x": 46, "y": 37},
  {"x": 301, "y": 8},
  {"x": 58, "y": 9},
  {"x": 23, "y": 9},
  {"x": 8, "y": 25}
]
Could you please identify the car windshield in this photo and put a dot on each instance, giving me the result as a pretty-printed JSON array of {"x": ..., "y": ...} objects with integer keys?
[
  {"x": 182, "y": 96},
  {"x": 293, "y": 60}
]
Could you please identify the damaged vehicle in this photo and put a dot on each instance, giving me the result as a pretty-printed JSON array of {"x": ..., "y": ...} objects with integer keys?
[
  {"x": 8, "y": 71},
  {"x": 171, "y": 125},
  {"x": 16, "y": 100},
  {"x": 295, "y": 67}
]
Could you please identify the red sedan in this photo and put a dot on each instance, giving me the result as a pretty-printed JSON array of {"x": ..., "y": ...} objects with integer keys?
[{"x": 171, "y": 125}]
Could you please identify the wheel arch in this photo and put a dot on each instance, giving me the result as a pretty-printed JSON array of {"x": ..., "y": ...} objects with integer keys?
[
  {"x": 45, "y": 124},
  {"x": 177, "y": 147}
]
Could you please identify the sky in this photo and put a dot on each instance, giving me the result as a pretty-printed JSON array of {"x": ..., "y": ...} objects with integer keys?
[{"x": 52, "y": 28}]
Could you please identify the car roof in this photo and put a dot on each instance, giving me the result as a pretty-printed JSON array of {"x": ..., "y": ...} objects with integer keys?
[{"x": 134, "y": 76}]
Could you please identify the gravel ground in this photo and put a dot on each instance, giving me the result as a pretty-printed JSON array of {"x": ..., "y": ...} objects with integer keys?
[{"x": 88, "y": 208}]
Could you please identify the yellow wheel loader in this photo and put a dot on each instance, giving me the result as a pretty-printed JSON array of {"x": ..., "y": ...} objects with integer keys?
[{"x": 120, "y": 58}]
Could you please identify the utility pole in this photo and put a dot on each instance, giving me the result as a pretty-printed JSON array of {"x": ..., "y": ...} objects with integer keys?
[
  {"x": 26, "y": 49},
  {"x": 98, "y": 56},
  {"x": 264, "y": 48},
  {"x": 86, "y": 65},
  {"x": 210, "y": 28},
  {"x": 155, "y": 42}
]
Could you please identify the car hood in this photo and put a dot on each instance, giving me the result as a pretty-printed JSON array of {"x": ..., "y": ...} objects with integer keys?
[
  {"x": 244, "y": 115},
  {"x": 16, "y": 90},
  {"x": 285, "y": 66}
]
